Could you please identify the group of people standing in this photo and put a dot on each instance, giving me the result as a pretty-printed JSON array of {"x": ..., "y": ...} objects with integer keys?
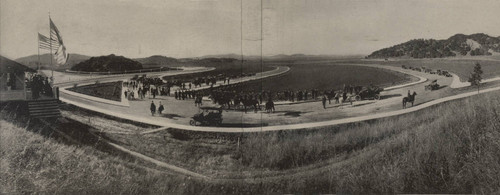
[
  {"x": 39, "y": 85},
  {"x": 228, "y": 95},
  {"x": 153, "y": 108},
  {"x": 137, "y": 87},
  {"x": 184, "y": 94},
  {"x": 189, "y": 94}
]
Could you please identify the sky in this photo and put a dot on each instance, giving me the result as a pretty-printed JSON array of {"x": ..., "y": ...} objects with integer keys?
[{"x": 193, "y": 28}]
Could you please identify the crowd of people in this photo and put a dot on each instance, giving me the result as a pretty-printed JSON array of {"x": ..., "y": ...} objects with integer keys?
[
  {"x": 225, "y": 92},
  {"x": 207, "y": 80},
  {"x": 39, "y": 85},
  {"x": 232, "y": 95},
  {"x": 145, "y": 87}
]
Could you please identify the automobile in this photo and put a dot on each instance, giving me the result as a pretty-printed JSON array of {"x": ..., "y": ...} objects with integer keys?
[
  {"x": 446, "y": 73},
  {"x": 371, "y": 92},
  {"x": 432, "y": 86},
  {"x": 210, "y": 116}
]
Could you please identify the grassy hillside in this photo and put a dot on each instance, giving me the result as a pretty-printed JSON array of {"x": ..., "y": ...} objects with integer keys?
[
  {"x": 109, "y": 91},
  {"x": 157, "y": 61},
  {"x": 459, "y": 44},
  {"x": 462, "y": 67},
  {"x": 107, "y": 63},
  {"x": 448, "y": 148}
]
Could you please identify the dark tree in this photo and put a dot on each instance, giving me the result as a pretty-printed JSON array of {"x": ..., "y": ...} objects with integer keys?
[{"x": 475, "y": 76}]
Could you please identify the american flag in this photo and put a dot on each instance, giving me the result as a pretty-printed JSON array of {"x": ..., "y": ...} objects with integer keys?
[{"x": 61, "y": 56}]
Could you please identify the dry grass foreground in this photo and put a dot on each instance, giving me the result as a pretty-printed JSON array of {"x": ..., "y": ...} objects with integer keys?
[{"x": 454, "y": 149}]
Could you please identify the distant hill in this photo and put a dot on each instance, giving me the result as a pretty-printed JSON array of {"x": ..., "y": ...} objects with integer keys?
[
  {"x": 310, "y": 57},
  {"x": 231, "y": 55},
  {"x": 457, "y": 45},
  {"x": 32, "y": 60},
  {"x": 157, "y": 61},
  {"x": 111, "y": 63},
  {"x": 282, "y": 57}
]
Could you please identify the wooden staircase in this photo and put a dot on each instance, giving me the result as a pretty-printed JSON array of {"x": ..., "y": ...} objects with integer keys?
[{"x": 44, "y": 108}]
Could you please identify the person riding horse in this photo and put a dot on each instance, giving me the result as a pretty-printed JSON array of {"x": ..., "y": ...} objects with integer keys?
[{"x": 410, "y": 98}]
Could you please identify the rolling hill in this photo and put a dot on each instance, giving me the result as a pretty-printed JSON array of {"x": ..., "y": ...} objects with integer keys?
[
  {"x": 111, "y": 63},
  {"x": 32, "y": 60},
  {"x": 456, "y": 45},
  {"x": 157, "y": 61}
]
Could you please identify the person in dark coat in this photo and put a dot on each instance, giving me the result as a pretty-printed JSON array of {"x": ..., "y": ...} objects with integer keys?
[
  {"x": 160, "y": 108},
  {"x": 153, "y": 108},
  {"x": 324, "y": 101}
]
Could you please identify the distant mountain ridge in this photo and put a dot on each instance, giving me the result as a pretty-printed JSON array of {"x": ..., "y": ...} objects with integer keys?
[
  {"x": 32, "y": 60},
  {"x": 456, "y": 45},
  {"x": 280, "y": 56}
]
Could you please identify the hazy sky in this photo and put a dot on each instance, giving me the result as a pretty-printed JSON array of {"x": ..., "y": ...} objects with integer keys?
[{"x": 201, "y": 27}]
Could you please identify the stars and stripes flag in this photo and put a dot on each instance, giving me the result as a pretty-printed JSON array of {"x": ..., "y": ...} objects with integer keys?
[
  {"x": 44, "y": 42},
  {"x": 54, "y": 42},
  {"x": 61, "y": 56}
]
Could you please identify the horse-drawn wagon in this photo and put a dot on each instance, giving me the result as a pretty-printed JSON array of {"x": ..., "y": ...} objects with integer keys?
[
  {"x": 210, "y": 116},
  {"x": 371, "y": 92}
]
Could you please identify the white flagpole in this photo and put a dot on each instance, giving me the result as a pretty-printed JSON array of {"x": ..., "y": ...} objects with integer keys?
[
  {"x": 38, "y": 65},
  {"x": 50, "y": 40}
]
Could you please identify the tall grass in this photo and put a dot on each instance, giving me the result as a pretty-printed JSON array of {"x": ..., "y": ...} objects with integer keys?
[
  {"x": 30, "y": 162},
  {"x": 450, "y": 148}
]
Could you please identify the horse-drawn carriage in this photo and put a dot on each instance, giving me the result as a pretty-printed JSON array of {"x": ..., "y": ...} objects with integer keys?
[
  {"x": 432, "y": 86},
  {"x": 371, "y": 92},
  {"x": 210, "y": 116}
]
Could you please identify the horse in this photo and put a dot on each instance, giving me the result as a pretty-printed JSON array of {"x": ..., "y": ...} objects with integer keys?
[
  {"x": 410, "y": 98},
  {"x": 270, "y": 106},
  {"x": 250, "y": 103}
]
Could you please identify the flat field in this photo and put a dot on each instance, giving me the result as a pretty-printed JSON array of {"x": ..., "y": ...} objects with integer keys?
[
  {"x": 234, "y": 68},
  {"x": 327, "y": 77},
  {"x": 462, "y": 67},
  {"x": 109, "y": 91}
]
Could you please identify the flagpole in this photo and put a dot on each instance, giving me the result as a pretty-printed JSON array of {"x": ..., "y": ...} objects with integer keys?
[
  {"x": 50, "y": 42},
  {"x": 38, "y": 67}
]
